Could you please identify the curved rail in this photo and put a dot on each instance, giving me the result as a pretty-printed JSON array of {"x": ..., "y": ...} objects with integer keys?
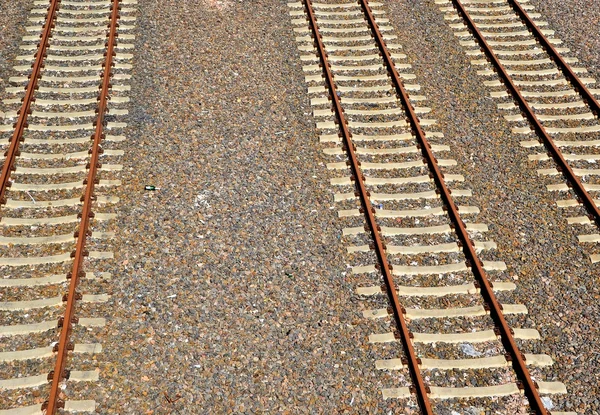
[
  {"x": 379, "y": 247},
  {"x": 563, "y": 166},
  {"x": 64, "y": 345},
  {"x": 13, "y": 150}
]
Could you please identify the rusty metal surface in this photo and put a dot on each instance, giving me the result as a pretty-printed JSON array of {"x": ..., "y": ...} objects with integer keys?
[
  {"x": 13, "y": 150},
  {"x": 563, "y": 166},
  {"x": 372, "y": 227},
  {"x": 64, "y": 345},
  {"x": 468, "y": 246}
]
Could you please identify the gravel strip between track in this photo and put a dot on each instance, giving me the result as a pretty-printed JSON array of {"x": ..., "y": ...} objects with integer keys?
[{"x": 229, "y": 282}]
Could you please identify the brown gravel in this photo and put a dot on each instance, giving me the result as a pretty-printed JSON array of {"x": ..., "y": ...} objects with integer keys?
[
  {"x": 12, "y": 29},
  {"x": 230, "y": 285},
  {"x": 229, "y": 290}
]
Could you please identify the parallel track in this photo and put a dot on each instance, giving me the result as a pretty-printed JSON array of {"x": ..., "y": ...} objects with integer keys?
[
  {"x": 500, "y": 20},
  {"x": 422, "y": 391}
]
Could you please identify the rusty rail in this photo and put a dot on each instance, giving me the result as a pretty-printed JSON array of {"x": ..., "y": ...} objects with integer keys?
[
  {"x": 495, "y": 309},
  {"x": 565, "y": 68},
  {"x": 563, "y": 166},
  {"x": 384, "y": 265},
  {"x": 64, "y": 345},
  {"x": 23, "y": 113},
  {"x": 468, "y": 246}
]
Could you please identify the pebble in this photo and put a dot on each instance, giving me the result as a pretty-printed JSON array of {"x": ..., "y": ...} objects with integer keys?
[
  {"x": 240, "y": 228},
  {"x": 229, "y": 288}
]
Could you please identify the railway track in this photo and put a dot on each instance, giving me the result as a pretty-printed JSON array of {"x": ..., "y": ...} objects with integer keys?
[
  {"x": 414, "y": 241},
  {"x": 543, "y": 95},
  {"x": 433, "y": 287},
  {"x": 60, "y": 130}
]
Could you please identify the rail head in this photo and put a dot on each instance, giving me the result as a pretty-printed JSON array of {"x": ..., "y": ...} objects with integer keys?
[{"x": 64, "y": 345}]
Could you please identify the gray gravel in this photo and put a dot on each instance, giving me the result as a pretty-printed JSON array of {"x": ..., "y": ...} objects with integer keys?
[
  {"x": 12, "y": 29},
  {"x": 229, "y": 281}
]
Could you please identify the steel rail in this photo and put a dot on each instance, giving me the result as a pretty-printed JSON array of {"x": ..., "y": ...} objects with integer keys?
[
  {"x": 468, "y": 246},
  {"x": 420, "y": 387},
  {"x": 64, "y": 345},
  {"x": 565, "y": 68},
  {"x": 563, "y": 166},
  {"x": 23, "y": 113}
]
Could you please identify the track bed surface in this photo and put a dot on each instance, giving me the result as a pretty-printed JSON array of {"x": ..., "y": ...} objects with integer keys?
[{"x": 231, "y": 288}]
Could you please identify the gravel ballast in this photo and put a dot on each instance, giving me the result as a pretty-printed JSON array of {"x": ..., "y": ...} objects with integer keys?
[
  {"x": 231, "y": 290},
  {"x": 12, "y": 28}
]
